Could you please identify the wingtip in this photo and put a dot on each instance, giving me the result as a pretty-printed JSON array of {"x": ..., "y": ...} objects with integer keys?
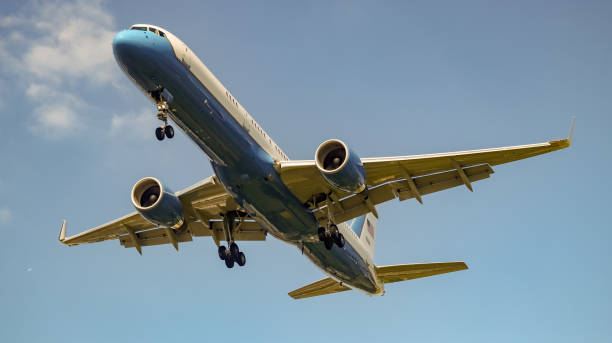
[
  {"x": 570, "y": 137},
  {"x": 62, "y": 234}
]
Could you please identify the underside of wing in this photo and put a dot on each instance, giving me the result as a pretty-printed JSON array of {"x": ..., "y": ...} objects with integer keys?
[
  {"x": 403, "y": 272},
  {"x": 321, "y": 287},
  {"x": 402, "y": 177},
  {"x": 203, "y": 205}
]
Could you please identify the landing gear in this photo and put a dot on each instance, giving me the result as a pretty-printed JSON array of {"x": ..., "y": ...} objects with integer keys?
[
  {"x": 162, "y": 114},
  {"x": 331, "y": 235},
  {"x": 233, "y": 254},
  {"x": 169, "y": 131},
  {"x": 340, "y": 240},
  {"x": 241, "y": 259},
  {"x": 229, "y": 262},
  {"x": 159, "y": 133},
  {"x": 222, "y": 252}
]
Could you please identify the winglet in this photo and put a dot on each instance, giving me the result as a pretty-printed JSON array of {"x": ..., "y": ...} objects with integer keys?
[
  {"x": 570, "y": 138},
  {"x": 62, "y": 234},
  {"x": 567, "y": 142}
]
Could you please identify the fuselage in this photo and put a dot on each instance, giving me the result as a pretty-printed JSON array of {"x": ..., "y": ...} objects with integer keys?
[{"x": 241, "y": 153}]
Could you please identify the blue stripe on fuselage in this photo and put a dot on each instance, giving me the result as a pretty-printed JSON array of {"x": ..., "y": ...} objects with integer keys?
[{"x": 244, "y": 168}]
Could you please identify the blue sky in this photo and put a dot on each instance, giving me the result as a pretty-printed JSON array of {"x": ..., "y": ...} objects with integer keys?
[{"x": 389, "y": 78}]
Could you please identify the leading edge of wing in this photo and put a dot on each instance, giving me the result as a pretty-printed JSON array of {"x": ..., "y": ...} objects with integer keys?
[
  {"x": 69, "y": 240},
  {"x": 554, "y": 145}
]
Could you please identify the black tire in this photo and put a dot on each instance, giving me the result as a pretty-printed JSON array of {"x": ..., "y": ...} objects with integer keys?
[
  {"x": 329, "y": 243},
  {"x": 234, "y": 250},
  {"x": 241, "y": 259},
  {"x": 321, "y": 233},
  {"x": 222, "y": 252},
  {"x": 229, "y": 261},
  {"x": 335, "y": 233},
  {"x": 340, "y": 241},
  {"x": 169, "y": 131},
  {"x": 159, "y": 133}
]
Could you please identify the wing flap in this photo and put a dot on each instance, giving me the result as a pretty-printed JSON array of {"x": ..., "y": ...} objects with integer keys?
[
  {"x": 321, "y": 287},
  {"x": 355, "y": 205},
  {"x": 403, "y": 272},
  {"x": 154, "y": 237}
]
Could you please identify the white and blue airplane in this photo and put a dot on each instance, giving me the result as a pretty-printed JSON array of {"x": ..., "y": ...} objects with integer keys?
[{"x": 257, "y": 190}]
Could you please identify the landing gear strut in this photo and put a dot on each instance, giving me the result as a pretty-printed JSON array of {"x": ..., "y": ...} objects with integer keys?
[
  {"x": 162, "y": 114},
  {"x": 331, "y": 235},
  {"x": 233, "y": 254}
]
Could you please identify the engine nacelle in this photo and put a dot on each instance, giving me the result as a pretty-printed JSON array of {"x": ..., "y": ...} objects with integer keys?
[
  {"x": 340, "y": 167},
  {"x": 157, "y": 203}
]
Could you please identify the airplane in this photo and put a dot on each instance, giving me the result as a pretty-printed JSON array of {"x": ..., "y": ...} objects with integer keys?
[{"x": 326, "y": 207}]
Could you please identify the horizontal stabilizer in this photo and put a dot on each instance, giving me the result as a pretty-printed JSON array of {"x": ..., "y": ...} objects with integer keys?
[
  {"x": 321, "y": 287},
  {"x": 403, "y": 272},
  {"x": 386, "y": 274}
]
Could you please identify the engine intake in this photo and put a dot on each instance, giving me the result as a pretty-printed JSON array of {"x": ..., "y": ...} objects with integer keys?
[
  {"x": 340, "y": 167},
  {"x": 157, "y": 203}
]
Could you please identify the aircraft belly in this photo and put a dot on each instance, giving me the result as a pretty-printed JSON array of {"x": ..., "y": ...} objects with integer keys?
[{"x": 247, "y": 173}]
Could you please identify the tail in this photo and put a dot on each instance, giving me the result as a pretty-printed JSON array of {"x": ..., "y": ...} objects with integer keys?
[
  {"x": 365, "y": 228},
  {"x": 386, "y": 274}
]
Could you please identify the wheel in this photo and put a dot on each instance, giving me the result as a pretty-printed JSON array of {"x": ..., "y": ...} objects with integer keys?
[
  {"x": 222, "y": 252},
  {"x": 333, "y": 230},
  {"x": 321, "y": 233},
  {"x": 169, "y": 131},
  {"x": 329, "y": 243},
  {"x": 229, "y": 261},
  {"x": 340, "y": 240},
  {"x": 159, "y": 133},
  {"x": 241, "y": 259},
  {"x": 234, "y": 250}
]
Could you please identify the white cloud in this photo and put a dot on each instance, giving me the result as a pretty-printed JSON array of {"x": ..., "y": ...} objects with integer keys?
[
  {"x": 53, "y": 47},
  {"x": 29, "y": 269},
  {"x": 55, "y": 121},
  {"x": 9, "y": 21},
  {"x": 5, "y": 214},
  {"x": 136, "y": 125}
]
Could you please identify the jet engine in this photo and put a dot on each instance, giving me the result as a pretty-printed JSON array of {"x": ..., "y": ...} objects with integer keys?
[
  {"x": 340, "y": 167},
  {"x": 157, "y": 203}
]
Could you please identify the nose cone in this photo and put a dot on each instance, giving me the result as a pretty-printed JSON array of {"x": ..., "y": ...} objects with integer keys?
[
  {"x": 126, "y": 45},
  {"x": 135, "y": 52}
]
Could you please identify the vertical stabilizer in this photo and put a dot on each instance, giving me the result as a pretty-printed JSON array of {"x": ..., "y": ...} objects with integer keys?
[{"x": 365, "y": 228}]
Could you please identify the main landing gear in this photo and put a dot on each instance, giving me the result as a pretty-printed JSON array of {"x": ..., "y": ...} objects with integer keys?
[
  {"x": 164, "y": 130},
  {"x": 331, "y": 235},
  {"x": 233, "y": 254}
]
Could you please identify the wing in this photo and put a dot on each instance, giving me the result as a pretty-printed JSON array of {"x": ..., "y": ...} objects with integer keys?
[
  {"x": 402, "y": 177},
  {"x": 203, "y": 203}
]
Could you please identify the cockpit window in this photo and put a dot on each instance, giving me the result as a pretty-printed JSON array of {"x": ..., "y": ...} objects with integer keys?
[{"x": 150, "y": 29}]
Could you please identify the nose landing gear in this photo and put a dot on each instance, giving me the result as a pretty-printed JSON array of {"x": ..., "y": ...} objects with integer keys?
[{"x": 162, "y": 114}]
